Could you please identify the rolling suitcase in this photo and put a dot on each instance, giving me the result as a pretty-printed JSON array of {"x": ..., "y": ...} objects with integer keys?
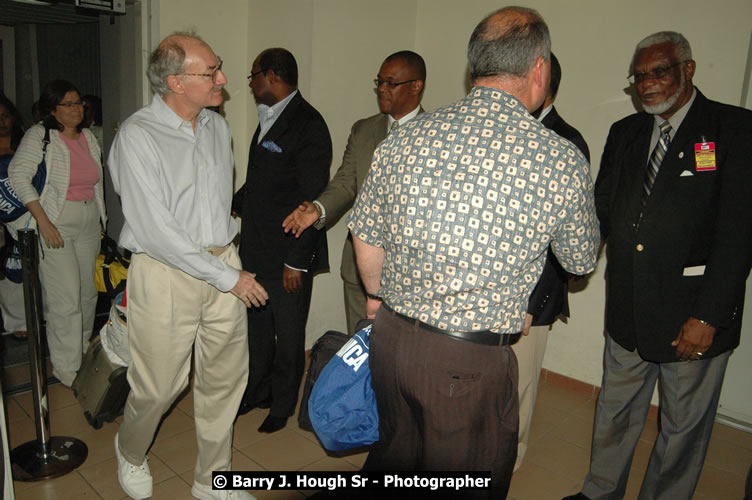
[
  {"x": 322, "y": 351},
  {"x": 100, "y": 386}
]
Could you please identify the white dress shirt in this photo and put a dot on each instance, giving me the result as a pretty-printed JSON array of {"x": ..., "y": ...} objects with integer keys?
[{"x": 176, "y": 189}]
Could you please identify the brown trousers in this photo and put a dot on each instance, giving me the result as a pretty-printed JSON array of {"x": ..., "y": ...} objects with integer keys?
[{"x": 444, "y": 404}]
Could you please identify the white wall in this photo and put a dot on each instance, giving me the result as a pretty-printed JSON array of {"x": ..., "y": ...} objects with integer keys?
[{"x": 339, "y": 45}]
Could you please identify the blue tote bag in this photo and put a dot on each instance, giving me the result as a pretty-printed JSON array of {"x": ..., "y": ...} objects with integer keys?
[{"x": 342, "y": 406}]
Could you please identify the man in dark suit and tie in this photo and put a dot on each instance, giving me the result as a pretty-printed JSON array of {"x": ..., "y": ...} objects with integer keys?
[
  {"x": 549, "y": 297},
  {"x": 399, "y": 88},
  {"x": 673, "y": 199},
  {"x": 288, "y": 163}
]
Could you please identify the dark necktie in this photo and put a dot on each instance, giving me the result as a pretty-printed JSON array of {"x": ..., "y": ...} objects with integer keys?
[{"x": 656, "y": 157}]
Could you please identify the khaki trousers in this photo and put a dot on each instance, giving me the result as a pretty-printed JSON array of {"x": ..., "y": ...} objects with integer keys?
[
  {"x": 529, "y": 350},
  {"x": 170, "y": 315},
  {"x": 67, "y": 278}
]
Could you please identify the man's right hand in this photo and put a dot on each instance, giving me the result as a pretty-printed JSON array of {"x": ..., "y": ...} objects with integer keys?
[
  {"x": 249, "y": 290},
  {"x": 301, "y": 218}
]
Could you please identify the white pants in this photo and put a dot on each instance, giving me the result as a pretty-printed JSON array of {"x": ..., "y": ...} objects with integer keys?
[
  {"x": 12, "y": 306},
  {"x": 530, "y": 350},
  {"x": 68, "y": 290}
]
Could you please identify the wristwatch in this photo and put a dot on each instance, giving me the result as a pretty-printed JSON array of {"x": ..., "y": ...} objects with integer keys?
[{"x": 321, "y": 221}]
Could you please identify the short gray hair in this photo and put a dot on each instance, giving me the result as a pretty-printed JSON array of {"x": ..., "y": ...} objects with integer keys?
[
  {"x": 167, "y": 59},
  {"x": 509, "y": 47},
  {"x": 672, "y": 37}
]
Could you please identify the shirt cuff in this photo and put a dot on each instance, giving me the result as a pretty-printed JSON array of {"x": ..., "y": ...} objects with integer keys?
[
  {"x": 296, "y": 269},
  {"x": 227, "y": 279},
  {"x": 321, "y": 222}
]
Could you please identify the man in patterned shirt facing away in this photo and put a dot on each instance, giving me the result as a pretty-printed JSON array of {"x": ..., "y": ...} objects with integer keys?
[{"x": 450, "y": 231}]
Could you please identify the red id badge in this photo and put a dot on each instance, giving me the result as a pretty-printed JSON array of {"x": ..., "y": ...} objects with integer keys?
[{"x": 705, "y": 156}]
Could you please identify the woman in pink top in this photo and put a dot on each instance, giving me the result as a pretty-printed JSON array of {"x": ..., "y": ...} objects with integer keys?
[{"x": 68, "y": 215}]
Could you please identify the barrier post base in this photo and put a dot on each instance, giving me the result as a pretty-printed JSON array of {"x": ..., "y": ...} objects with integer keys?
[{"x": 64, "y": 454}]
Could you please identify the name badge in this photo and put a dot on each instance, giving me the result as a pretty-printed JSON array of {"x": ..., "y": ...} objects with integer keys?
[{"x": 705, "y": 156}]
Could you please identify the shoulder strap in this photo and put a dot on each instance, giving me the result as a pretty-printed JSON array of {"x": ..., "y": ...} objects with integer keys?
[{"x": 45, "y": 141}]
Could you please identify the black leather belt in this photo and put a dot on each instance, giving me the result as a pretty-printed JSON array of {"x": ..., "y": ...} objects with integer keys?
[{"x": 484, "y": 337}]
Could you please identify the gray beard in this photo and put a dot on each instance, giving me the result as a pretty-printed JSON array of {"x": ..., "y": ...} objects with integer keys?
[{"x": 661, "y": 108}]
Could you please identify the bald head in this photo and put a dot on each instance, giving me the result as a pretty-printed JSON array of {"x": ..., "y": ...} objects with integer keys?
[
  {"x": 168, "y": 58},
  {"x": 508, "y": 43}
]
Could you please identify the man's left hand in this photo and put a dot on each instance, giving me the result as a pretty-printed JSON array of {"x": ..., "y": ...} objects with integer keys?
[
  {"x": 693, "y": 340},
  {"x": 301, "y": 218},
  {"x": 292, "y": 280},
  {"x": 528, "y": 324}
]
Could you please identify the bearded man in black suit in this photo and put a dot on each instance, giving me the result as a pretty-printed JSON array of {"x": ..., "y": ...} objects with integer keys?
[{"x": 673, "y": 199}]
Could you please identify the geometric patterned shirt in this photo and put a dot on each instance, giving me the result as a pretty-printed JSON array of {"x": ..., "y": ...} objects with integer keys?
[{"x": 465, "y": 201}]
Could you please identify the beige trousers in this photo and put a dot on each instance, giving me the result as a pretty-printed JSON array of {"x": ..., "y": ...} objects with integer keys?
[
  {"x": 67, "y": 278},
  {"x": 529, "y": 350},
  {"x": 170, "y": 315}
]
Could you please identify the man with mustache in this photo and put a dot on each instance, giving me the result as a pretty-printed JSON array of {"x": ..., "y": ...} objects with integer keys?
[
  {"x": 675, "y": 209},
  {"x": 172, "y": 165}
]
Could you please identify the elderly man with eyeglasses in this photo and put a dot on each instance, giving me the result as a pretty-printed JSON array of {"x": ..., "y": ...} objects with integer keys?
[
  {"x": 172, "y": 165},
  {"x": 673, "y": 199}
]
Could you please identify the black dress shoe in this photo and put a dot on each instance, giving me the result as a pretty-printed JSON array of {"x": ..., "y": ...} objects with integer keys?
[
  {"x": 273, "y": 424},
  {"x": 577, "y": 496},
  {"x": 245, "y": 407}
]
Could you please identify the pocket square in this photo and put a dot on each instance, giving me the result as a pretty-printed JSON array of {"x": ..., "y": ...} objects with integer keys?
[
  {"x": 686, "y": 173},
  {"x": 271, "y": 146}
]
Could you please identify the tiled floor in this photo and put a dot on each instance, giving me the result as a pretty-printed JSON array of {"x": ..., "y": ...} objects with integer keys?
[{"x": 555, "y": 466}]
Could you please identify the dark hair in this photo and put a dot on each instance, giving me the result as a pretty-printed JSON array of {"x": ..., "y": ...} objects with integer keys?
[
  {"x": 52, "y": 95},
  {"x": 413, "y": 61},
  {"x": 509, "y": 46},
  {"x": 17, "y": 131},
  {"x": 93, "y": 103},
  {"x": 282, "y": 62},
  {"x": 553, "y": 87}
]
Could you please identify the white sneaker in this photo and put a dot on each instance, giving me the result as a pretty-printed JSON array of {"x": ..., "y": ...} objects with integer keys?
[
  {"x": 203, "y": 492},
  {"x": 136, "y": 481}
]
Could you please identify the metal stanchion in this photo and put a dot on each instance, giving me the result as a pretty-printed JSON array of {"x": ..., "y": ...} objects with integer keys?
[{"x": 46, "y": 456}]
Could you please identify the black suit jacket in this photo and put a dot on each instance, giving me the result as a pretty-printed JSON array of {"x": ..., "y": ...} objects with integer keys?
[
  {"x": 692, "y": 218},
  {"x": 549, "y": 297},
  {"x": 289, "y": 166}
]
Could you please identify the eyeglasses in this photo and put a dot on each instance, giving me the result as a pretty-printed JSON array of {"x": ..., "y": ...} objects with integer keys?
[
  {"x": 392, "y": 85},
  {"x": 254, "y": 73},
  {"x": 213, "y": 74},
  {"x": 655, "y": 74},
  {"x": 71, "y": 104}
]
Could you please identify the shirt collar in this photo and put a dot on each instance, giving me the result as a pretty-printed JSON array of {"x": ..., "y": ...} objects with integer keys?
[
  {"x": 678, "y": 117},
  {"x": 171, "y": 118},
  {"x": 412, "y": 114},
  {"x": 545, "y": 112},
  {"x": 268, "y": 112}
]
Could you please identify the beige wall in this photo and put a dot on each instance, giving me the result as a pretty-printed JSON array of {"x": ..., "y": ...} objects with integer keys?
[{"x": 340, "y": 44}]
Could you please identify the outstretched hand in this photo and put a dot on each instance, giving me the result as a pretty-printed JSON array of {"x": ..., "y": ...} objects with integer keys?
[{"x": 301, "y": 218}]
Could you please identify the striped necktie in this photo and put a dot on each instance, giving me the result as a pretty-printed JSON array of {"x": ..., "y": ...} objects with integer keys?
[{"x": 656, "y": 157}]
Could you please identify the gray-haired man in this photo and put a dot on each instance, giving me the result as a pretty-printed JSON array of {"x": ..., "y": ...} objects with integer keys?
[
  {"x": 451, "y": 229},
  {"x": 172, "y": 165}
]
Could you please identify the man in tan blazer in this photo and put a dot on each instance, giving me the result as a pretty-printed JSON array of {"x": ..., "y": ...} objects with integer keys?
[{"x": 399, "y": 89}]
